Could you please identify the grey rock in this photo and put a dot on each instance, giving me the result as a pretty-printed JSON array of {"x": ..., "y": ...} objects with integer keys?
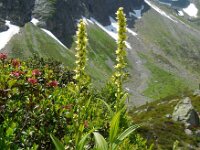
[
  {"x": 185, "y": 113},
  {"x": 18, "y": 12},
  {"x": 196, "y": 93},
  {"x": 3, "y": 27},
  {"x": 188, "y": 132},
  {"x": 197, "y": 133},
  {"x": 168, "y": 116}
]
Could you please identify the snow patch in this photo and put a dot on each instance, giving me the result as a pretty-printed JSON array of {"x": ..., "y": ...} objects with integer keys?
[
  {"x": 159, "y": 10},
  {"x": 53, "y": 36},
  {"x": 87, "y": 20},
  {"x": 112, "y": 30},
  {"x": 35, "y": 21},
  {"x": 7, "y": 35},
  {"x": 131, "y": 32},
  {"x": 137, "y": 13},
  {"x": 191, "y": 10},
  {"x": 180, "y": 13}
]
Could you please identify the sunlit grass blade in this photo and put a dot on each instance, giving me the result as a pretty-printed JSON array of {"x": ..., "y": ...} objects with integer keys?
[
  {"x": 100, "y": 142},
  {"x": 114, "y": 127},
  {"x": 83, "y": 141},
  {"x": 108, "y": 106},
  {"x": 57, "y": 143}
]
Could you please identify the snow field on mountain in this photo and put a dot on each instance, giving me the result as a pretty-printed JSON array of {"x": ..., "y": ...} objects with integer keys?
[
  {"x": 7, "y": 35},
  {"x": 112, "y": 30},
  {"x": 36, "y": 21},
  {"x": 159, "y": 10},
  {"x": 191, "y": 10}
]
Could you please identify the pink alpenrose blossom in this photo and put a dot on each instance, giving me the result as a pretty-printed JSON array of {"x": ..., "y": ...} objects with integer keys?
[
  {"x": 32, "y": 81},
  {"x": 16, "y": 74},
  {"x": 53, "y": 83},
  {"x": 36, "y": 72},
  {"x": 3, "y": 56},
  {"x": 15, "y": 63}
]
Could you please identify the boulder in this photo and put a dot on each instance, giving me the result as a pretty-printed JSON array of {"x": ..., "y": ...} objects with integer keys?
[
  {"x": 197, "y": 133},
  {"x": 168, "y": 116},
  {"x": 185, "y": 113},
  {"x": 188, "y": 132},
  {"x": 196, "y": 93}
]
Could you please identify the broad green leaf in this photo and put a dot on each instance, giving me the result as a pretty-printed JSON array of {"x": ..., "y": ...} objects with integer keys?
[
  {"x": 11, "y": 83},
  {"x": 100, "y": 142},
  {"x": 57, "y": 143},
  {"x": 114, "y": 127},
  {"x": 34, "y": 147},
  {"x": 10, "y": 131}
]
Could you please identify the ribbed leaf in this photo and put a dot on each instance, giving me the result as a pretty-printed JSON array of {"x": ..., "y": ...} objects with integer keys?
[
  {"x": 127, "y": 132},
  {"x": 108, "y": 107},
  {"x": 124, "y": 98},
  {"x": 57, "y": 143},
  {"x": 114, "y": 127},
  {"x": 83, "y": 140},
  {"x": 100, "y": 142},
  {"x": 124, "y": 134}
]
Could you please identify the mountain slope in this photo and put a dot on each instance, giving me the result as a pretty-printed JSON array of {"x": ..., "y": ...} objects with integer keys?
[
  {"x": 33, "y": 40},
  {"x": 163, "y": 56}
]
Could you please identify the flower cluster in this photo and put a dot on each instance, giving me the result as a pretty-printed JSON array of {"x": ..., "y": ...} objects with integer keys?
[
  {"x": 36, "y": 72},
  {"x": 53, "y": 83},
  {"x": 16, "y": 63},
  {"x": 16, "y": 74},
  {"x": 33, "y": 78},
  {"x": 3, "y": 56},
  {"x": 32, "y": 81}
]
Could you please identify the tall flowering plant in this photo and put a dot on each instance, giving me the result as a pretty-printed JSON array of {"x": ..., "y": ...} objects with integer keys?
[
  {"x": 119, "y": 73},
  {"x": 81, "y": 58}
]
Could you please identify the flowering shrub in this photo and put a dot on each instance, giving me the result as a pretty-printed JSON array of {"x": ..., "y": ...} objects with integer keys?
[{"x": 37, "y": 102}]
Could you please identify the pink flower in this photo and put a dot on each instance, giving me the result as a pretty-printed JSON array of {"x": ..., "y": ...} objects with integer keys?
[
  {"x": 16, "y": 73},
  {"x": 3, "y": 56},
  {"x": 32, "y": 80},
  {"x": 53, "y": 83},
  {"x": 16, "y": 63},
  {"x": 36, "y": 72}
]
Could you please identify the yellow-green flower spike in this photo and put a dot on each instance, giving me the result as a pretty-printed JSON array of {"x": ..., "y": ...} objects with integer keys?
[
  {"x": 81, "y": 58},
  {"x": 119, "y": 73}
]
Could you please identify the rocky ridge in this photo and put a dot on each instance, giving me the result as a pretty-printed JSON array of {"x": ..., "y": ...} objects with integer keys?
[{"x": 60, "y": 16}]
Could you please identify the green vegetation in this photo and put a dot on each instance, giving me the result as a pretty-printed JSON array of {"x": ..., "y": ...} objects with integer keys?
[
  {"x": 161, "y": 130},
  {"x": 38, "y": 99},
  {"x": 163, "y": 83},
  {"x": 32, "y": 40},
  {"x": 176, "y": 41}
]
